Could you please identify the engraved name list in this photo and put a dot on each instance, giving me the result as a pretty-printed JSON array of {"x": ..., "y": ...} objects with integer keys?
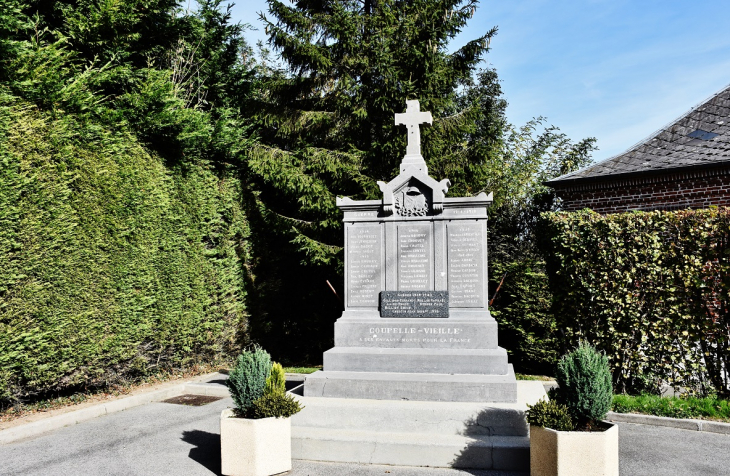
[{"x": 363, "y": 266}]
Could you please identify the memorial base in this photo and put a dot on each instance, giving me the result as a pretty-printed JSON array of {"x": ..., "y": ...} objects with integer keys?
[
  {"x": 452, "y": 333},
  {"x": 413, "y": 386},
  {"x": 405, "y": 360}
]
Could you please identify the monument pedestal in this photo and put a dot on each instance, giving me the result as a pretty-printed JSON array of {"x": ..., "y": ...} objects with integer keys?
[{"x": 444, "y": 360}]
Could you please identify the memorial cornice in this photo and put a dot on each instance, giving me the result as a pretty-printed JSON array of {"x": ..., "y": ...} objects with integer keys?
[{"x": 456, "y": 208}]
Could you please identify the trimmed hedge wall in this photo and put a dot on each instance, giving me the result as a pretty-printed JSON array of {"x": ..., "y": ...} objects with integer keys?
[
  {"x": 112, "y": 265},
  {"x": 651, "y": 289}
]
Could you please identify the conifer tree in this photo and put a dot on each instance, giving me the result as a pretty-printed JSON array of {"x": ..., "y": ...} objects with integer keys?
[{"x": 327, "y": 129}]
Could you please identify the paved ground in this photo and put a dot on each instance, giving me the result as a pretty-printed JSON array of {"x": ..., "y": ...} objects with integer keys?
[{"x": 165, "y": 439}]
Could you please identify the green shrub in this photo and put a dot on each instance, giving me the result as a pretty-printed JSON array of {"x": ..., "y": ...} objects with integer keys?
[
  {"x": 276, "y": 383},
  {"x": 584, "y": 378},
  {"x": 522, "y": 307},
  {"x": 113, "y": 264},
  {"x": 650, "y": 289},
  {"x": 276, "y": 404},
  {"x": 549, "y": 414},
  {"x": 554, "y": 394},
  {"x": 259, "y": 394},
  {"x": 247, "y": 380}
]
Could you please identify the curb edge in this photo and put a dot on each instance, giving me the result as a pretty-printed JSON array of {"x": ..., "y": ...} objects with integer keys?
[{"x": 680, "y": 423}]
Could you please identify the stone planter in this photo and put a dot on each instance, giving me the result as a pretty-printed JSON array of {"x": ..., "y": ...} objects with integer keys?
[
  {"x": 568, "y": 453},
  {"x": 254, "y": 447}
]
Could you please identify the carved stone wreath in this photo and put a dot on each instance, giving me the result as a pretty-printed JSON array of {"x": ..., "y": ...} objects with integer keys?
[{"x": 411, "y": 202}]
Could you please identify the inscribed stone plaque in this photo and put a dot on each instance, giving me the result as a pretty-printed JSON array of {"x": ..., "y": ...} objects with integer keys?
[
  {"x": 414, "y": 304},
  {"x": 364, "y": 271},
  {"x": 466, "y": 264},
  {"x": 415, "y": 262}
]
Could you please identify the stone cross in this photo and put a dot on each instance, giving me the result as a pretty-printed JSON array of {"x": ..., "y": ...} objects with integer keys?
[{"x": 413, "y": 118}]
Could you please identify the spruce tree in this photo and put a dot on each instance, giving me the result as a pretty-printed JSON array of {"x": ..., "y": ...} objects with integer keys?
[
  {"x": 352, "y": 66},
  {"x": 327, "y": 130}
]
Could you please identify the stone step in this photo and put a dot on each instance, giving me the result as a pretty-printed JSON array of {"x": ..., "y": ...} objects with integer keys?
[
  {"x": 404, "y": 360},
  {"x": 411, "y": 449},
  {"x": 413, "y": 386},
  {"x": 446, "y": 418}
]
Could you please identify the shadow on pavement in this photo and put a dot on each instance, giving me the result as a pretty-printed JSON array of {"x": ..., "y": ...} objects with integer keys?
[
  {"x": 207, "y": 450},
  {"x": 481, "y": 454}
]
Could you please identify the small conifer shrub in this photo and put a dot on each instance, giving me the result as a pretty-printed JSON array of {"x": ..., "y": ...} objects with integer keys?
[
  {"x": 277, "y": 380},
  {"x": 549, "y": 414},
  {"x": 247, "y": 381},
  {"x": 258, "y": 387},
  {"x": 277, "y": 404},
  {"x": 584, "y": 378}
]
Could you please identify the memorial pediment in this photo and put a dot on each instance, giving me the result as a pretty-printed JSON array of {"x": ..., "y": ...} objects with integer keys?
[{"x": 413, "y": 193}]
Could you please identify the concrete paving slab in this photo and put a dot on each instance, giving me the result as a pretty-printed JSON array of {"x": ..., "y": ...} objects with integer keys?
[
  {"x": 660, "y": 451},
  {"x": 163, "y": 439},
  {"x": 154, "y": 439},
  {"x": 213, "y": 384},
  {"x": 158, "y": 439}
]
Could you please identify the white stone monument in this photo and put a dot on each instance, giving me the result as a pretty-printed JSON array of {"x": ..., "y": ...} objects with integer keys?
[{"x": 416, "y": 324}]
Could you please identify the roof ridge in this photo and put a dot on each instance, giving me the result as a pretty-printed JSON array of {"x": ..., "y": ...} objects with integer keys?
[{"x": 647, "y": 138}]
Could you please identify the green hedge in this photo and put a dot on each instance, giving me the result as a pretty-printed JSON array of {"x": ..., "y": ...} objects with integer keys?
[
  {"x": 648, "y": 288},
  {"x": 112, "y": 264}
]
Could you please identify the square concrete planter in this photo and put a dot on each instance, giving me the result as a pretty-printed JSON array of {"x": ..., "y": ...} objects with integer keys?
[
  {"x": 573, "y": 453},
  {"x": 254, "y": 447}
]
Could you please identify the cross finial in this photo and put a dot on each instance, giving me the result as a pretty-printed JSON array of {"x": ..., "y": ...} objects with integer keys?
[{"x": 413, "y": 118}]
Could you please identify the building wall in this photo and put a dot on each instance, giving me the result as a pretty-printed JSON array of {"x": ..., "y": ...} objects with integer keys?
[{"x": 694, "y": 189}]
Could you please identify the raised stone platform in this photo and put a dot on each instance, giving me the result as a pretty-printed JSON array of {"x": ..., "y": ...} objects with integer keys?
[
  {"x": 437, "y": 361},
  {"x": 453, "y": 359},
  {"x": 413, "y": 386},
  {"x": 416, "y": 433}
]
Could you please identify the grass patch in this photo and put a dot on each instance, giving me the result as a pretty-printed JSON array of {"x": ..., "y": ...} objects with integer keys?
[
  {"x": 302, "y": 370},
  {"x": 690, "y": 407},
  {"x": 542, "y": 378}
]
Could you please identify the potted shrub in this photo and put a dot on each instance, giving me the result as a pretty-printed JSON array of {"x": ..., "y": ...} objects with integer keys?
[
  {"x": 256, "y": 434},
  {"x": 568, "y": 435}
]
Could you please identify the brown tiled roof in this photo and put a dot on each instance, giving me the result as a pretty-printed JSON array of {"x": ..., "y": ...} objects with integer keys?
[{"x": 669, "y": 148}]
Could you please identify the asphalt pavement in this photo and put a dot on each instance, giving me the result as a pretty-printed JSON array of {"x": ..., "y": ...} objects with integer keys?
[{"x": 168, "y": 439}]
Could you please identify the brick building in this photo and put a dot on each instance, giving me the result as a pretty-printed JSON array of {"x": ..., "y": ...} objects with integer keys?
[{"x": 684, "y": 165}]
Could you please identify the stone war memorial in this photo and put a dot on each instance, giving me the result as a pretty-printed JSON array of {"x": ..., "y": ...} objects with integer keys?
[{"x": 416, "y": 376}]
